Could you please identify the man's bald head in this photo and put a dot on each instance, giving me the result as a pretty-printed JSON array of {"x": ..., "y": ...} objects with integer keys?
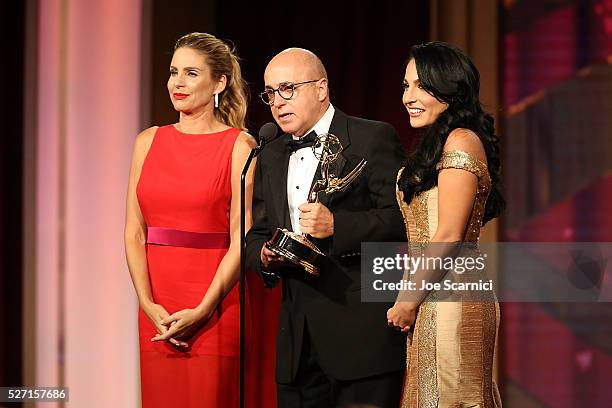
[
  {"x": 299, "y": 110},
  {"x": 306, "y": 59}
]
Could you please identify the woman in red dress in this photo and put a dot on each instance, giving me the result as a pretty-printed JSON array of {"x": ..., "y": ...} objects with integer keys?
[{"x": 182, "y": 231}]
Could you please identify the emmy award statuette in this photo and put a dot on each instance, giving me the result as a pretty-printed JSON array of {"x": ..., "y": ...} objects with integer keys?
[{"x": 297, "y": 248}]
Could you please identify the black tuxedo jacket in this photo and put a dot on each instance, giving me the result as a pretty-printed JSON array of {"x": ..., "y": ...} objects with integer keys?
[{"x": 351, "y": 338}]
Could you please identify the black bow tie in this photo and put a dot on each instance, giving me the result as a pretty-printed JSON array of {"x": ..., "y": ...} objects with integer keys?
[{"x": 305, "y": 141}]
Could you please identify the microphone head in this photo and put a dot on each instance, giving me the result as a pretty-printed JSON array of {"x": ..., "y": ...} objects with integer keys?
[{"x": 267, "y": 133}]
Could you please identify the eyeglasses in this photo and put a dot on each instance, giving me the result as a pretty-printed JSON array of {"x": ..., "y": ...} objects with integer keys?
[{"x": 285, "y": 90}]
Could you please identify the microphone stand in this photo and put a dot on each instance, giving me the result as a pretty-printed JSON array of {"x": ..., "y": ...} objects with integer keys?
[{"x": 254, "y": 153}]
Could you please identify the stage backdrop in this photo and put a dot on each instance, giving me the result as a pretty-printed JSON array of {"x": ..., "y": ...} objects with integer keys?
[
  {"x": 87, "y": 113},
  {"x": 556, "y": 100}
]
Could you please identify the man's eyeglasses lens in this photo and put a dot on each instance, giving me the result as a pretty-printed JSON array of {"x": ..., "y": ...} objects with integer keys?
[{"x": 285, "y": 90}]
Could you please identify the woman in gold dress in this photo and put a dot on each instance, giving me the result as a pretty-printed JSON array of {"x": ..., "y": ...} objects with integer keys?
[{"x": 447, "y": 190}]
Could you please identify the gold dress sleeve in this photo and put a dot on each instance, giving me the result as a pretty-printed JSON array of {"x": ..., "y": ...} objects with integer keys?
[{"x": 458, "y": 159}]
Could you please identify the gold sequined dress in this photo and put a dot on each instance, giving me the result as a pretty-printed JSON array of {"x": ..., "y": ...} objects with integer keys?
[{"x": 451, "y": 352}]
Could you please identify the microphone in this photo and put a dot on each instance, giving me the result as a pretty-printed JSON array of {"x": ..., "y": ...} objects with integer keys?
[{"x": 267, "y": 133}]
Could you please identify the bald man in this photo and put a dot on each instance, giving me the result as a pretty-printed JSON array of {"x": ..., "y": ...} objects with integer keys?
[{"x": 332, "y": 349}]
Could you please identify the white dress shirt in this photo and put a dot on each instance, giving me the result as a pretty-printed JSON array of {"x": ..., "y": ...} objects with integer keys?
[{"x": 302, "y": 168}]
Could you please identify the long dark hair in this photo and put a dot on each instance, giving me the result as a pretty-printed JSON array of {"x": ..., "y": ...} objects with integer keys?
[{"x": 447, "y": 73}]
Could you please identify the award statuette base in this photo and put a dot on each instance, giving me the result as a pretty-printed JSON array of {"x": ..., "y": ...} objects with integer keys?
[{"x": 297, "y": 249}]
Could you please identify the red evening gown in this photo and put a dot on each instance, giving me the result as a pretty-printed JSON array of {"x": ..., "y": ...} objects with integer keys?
[{"x": 185, "y": 188}]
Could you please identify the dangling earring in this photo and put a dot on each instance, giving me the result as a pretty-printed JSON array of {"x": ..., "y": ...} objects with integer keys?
[{"x": 217, "y": 101}]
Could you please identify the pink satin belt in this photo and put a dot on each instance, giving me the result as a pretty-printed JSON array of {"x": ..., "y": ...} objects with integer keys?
[{"x": 201, "y": 240}]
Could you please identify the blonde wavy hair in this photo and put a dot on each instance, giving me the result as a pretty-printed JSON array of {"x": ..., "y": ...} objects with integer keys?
[{"x": 222, "y": 60}]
